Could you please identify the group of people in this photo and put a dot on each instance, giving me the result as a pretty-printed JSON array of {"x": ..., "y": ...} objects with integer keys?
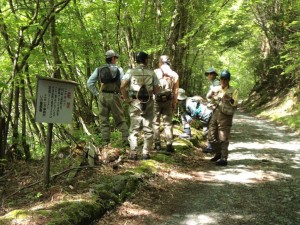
[
  {"x": 152, "y": 96},
  {"x": 215, "y": 113}
]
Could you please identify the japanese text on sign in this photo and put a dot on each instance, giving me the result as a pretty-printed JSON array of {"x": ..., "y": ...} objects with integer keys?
[{"x": 54, "y": 101}]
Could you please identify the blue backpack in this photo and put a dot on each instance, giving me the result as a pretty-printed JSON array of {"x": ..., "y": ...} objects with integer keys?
[{"x": 198, "y": 110}]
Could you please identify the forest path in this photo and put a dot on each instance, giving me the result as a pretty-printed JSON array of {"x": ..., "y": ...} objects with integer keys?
[{"x": 260, "y": 185}]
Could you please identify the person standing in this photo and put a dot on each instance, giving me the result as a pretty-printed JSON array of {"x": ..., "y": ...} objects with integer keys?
[
  {"x": 211, "y": 74},
  {"x": 109, "y": 99},
  {"x": 165, "y": 102},
  {"x": 220, "y": 124},
  {"x": 142, "y": 83}
]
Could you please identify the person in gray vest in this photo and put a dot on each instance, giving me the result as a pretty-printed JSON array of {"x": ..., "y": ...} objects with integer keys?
[
  {"x": 220, "y": 124},
  {"x": 141, "y": 83},
  {"x": 109, "y": 99},
  {"x": 165, "y": 102},
  {"x": 211, "y": 75}
]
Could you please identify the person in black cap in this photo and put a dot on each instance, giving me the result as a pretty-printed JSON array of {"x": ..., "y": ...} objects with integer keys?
[
  {"x": 137, "y": 87},
  {"x": 211, "y": 74},
  {"x": 109, "y": 99}
]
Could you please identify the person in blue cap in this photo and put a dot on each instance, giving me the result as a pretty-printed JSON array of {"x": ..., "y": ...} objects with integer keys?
[{"x": 226, "y": 98}]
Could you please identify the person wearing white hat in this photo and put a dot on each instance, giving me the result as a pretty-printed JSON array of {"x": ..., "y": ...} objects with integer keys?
[
  {"x": 181, "y": 94},
  {"x": 185, "y": 118}
]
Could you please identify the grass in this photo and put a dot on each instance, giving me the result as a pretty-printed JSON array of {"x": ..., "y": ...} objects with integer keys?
[{"x": 283, "y": 109}]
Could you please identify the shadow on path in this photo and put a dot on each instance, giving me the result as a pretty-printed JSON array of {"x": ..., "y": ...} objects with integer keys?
[{"x": 260, "y": 185}]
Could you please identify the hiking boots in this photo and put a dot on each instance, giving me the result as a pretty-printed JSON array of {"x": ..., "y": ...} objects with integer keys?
[
  {"x": 170, "y": 148},
  {"x": 215, "y": 158},
  {"x": 222, "y": 162}
]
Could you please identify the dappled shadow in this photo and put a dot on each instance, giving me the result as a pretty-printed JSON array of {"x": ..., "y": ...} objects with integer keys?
[
  {"x": 226, "y": 196},
  {"x": 260, "y": 185}
]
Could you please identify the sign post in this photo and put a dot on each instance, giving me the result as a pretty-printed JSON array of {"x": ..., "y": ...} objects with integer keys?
[{"x": 54, "y": 104}]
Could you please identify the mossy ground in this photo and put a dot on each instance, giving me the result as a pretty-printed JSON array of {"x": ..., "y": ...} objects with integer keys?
[{"x": 88, "y": 195}]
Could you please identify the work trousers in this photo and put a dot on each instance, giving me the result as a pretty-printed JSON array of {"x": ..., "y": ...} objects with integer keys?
[
  {"x": 141, "y": 120},
  {"x": 219, "y": 133},
  {"x": 163, "y": 114},
  {"x": 111, "y": 103}
]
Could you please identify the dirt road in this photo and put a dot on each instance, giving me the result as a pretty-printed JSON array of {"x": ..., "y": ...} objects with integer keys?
[{"x": 260, "y": 185}]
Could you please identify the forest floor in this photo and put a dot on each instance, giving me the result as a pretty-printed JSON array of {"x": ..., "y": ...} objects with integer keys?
[{"x": 260, "y": 185}]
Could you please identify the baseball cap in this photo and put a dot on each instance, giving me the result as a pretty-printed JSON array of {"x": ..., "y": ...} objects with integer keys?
[
  {"x": 211, "y": 70},
  {"x": 111, "y": 53}
]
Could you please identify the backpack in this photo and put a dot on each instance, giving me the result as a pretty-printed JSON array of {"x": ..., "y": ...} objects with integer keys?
[
  {"x": 108, "y": 74},
  {"x": 199, "y": 110},
  {"x": 204, "y": 114}
]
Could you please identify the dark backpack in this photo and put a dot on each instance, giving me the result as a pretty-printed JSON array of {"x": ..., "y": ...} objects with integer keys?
[{"x": 108, "y": 74}]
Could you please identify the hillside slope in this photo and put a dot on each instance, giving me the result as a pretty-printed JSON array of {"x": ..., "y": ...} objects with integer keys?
[{"x": 279, "y": 106}]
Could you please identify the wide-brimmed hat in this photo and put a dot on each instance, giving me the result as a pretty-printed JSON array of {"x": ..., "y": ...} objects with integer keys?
[
  {"x": 211, "y": 70},
  {"x": 181, "y": 94},
  {"x": 111, "y": 53}
]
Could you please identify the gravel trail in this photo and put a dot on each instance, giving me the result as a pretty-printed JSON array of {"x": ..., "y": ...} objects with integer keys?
[{"x": 260, "y": 185}]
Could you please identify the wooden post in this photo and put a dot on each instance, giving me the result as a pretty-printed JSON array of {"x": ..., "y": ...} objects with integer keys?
[{"x": 48, "y": 156}]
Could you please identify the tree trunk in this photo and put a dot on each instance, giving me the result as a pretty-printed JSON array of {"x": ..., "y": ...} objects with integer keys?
[
  {"x": 15, "y": 136},
  {"x": 2, "y": 146},
  {"x": 177, "y": 31},
  {"x": 24, "y": 130}
]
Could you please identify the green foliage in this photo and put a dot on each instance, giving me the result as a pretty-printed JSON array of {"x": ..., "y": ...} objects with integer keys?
[
  {"x": 255, "y": 40},
  {"x": 292, "y": 121}
]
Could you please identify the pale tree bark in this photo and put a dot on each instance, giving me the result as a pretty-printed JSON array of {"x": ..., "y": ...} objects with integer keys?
[
  {"x": 83, "y": 105},
  {"x": 178, "y": 29},
  {"x": 128, "y": 33},
  {"x": 39, "y": 128}
]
